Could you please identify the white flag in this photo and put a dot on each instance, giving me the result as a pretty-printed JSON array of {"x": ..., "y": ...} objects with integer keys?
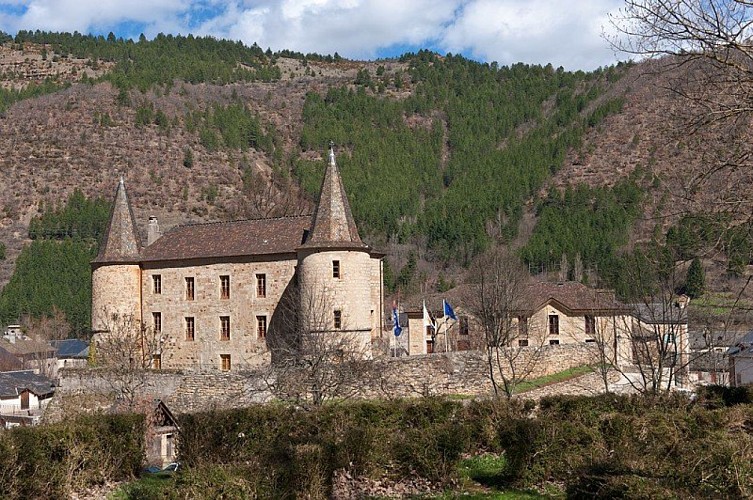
[{"x": 428, "y": 320}]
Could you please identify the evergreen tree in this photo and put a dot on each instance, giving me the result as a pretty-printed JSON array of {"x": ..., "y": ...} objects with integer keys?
[
  {"x": 188, "y": 157},
  {"x": 695, "y": 282}
]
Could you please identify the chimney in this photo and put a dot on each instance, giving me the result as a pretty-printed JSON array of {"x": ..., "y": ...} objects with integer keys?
[{"x": 152, "y": 233}]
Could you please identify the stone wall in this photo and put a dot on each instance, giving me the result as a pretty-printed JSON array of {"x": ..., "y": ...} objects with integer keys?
[
  {"x": 467, "y": 372},
  {"x": 355, "y": 293},
  {"x": 245, "y": 346},
  {"x": 463, "y": 373},
  {"x": 115, "y": 290}
]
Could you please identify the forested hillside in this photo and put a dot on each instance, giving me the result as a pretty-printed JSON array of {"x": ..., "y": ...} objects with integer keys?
[{"x": 442, "y": 157}]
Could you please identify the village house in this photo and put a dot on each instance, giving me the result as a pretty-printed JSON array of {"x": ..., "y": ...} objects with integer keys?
[
  {"x": 23, "y": 397},
  {"x": 542, "y": 313},
  {"x": 19, "y": 352},
  {"x": 218, "y": 295},
  {"x": 71, "y": 353},
  {"x": 709, "y": 347},
  {"x": 740, "y": 359},
  {"x": 660, "y": 331}
]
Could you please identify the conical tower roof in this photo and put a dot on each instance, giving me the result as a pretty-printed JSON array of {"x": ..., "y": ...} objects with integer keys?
[
  {"x": 121, "y": 242},
  {"x": 333, "y": 224}
]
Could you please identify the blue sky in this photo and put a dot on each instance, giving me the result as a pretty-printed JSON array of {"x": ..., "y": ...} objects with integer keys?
[{"x": 565, "y": 33}]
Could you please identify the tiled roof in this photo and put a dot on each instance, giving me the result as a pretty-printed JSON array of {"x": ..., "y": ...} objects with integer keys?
[
  {"x": 121, "y": 242},
  {"x": 26, "y": 346},
  {"x": 70, "y": 348},
  {"x": 532, "y": 296},
  {"x": 743, "y": 346},
  {"x": 230, "y": 239},
  {"x": 658, "y": 313},
  {"x": 333, "y": 224},
  {"x": 572, "y": 295},
  {"x": 13, "y": 383}
]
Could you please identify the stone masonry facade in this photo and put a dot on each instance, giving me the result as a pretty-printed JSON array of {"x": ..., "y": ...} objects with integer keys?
[{"x": 224, "y": 296}]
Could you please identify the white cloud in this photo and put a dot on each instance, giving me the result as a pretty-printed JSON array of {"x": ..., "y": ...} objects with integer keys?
[
  {"x": 564, "y": 33},
  {"x": 533, "y": 31}
]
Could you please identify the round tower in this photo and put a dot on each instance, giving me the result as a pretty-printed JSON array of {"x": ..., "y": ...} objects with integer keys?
[
  {"x": 339, "y": 295},
  {"x": 116, "y": 273}
]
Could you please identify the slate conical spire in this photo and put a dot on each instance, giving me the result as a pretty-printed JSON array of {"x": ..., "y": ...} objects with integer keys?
[
  {"x": 121, "y": 242},
  {"x": 333, "y": 223}
]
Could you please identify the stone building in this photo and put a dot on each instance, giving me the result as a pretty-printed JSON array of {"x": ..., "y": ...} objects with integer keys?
[
  {"x": 541, "y": 313},
  {"x": 224, "y": 295}
]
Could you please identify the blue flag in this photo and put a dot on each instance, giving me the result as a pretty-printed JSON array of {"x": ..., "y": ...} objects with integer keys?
[
  {"x": 448, "y": 310},
  {"x": 396, "y": 319}
]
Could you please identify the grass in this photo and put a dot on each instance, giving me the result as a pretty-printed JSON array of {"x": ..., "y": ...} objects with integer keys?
[
  {"x": 718, "y": 303},
  {"x": 484, "y": 477},
  {"x": 147, "y": 486},
  {"x": 536, "y": 383}
]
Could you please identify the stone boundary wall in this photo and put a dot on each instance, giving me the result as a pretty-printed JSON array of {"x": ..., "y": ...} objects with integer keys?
[
  {"x": 467, "y": 372},
  {"x": 462, "y": 373}
]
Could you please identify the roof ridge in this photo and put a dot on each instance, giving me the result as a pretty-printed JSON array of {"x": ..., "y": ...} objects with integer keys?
[{"x": 234, "y": 221}]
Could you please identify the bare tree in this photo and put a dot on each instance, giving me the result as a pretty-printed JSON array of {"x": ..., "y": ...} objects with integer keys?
[
  {"x": 316, "y": 357},
  {"x": 578, "y": 268},
  {"x": 41, "y": 331},
  {"x": 512, "y": 350},
  {"x": 710, "y": 67},
  {"x": 658, "y": 325},
  {"x": 125, "y": 351},
  {"x": 270, "y": 195}
]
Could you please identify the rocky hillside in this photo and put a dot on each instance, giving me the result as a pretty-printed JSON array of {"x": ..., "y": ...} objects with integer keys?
[
  {"x": 85, "y": 130},
  {"x": 80, "y": 137}
]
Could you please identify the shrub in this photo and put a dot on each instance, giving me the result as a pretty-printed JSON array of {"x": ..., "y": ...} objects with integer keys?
[{"x": 52, "y": 461}]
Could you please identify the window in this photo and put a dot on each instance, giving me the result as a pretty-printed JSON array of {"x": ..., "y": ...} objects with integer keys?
[
  {"x": 429, "y": 346},
  {"x": 336, "y": 269},
  {"x": 554, "y": 324},
  {"x": 225, "y": 287},
  {"x": 157, "y": 283},
  {"x": 224, "y": 327},
  {"x": 523, "y": 343},
  {"x": 463, "y": 325},
  {"x": 338, "y": 319},
  {"x": 157, "y": 361},
  {"x": 190, "y": 329},
  {"x": 522, "y": 326},
  {"x": 190, "y": 288},
  {"x": 590, "y": 325},
  {"x": 554, "y": 342},
  {"x": 225, "y": 362},
  {"x": 157, "y": 321},
  {"x": 261, "y": 327},
  {"x": 261, "y": 285}
]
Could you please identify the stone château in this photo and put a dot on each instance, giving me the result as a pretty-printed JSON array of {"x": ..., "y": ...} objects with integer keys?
[{"x": 219, "y": 295}]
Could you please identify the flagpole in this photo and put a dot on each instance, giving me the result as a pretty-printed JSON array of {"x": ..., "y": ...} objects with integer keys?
[{"x": 446, "y": 334}]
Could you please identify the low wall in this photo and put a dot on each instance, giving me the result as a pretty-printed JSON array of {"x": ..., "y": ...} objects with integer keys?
[
  {"x": 468, "y": 372},
  {"x": 464, "y": 373}
]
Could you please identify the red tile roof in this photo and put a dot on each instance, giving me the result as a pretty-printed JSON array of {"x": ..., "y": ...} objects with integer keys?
[
  {"x": 572, "y": 295},
  {"x": 230, "y": 239}
]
